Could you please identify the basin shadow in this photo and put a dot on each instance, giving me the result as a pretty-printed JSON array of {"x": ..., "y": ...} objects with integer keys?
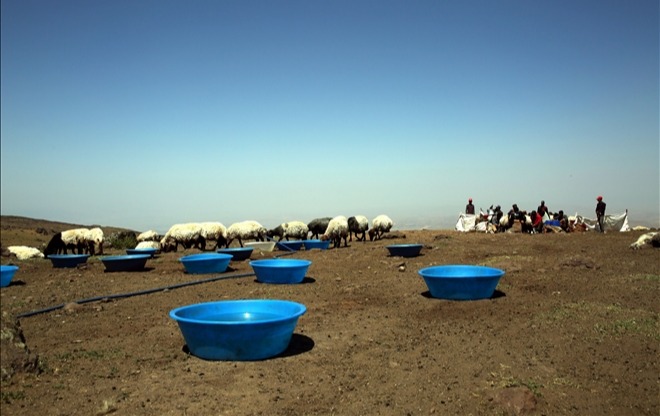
[
  {"x": 299, "y": 344},
  {"x": 407, "y": 257},
  {"x": 305, "y": 280},
  {"x": 496, "y": 294},
  {"x": 145, "y": 269}
]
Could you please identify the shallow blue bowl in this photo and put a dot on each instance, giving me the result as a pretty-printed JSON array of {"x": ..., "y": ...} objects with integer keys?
[
  {"x": 238, "y": 253},
  {"x": 238, "y": 330},
  {"x": 320, "y": 244},
  {"x": 293, "y": 245},
  {"x": 461, "y": 282},
  {"x": 281, "y": 271},
  {"x": 206, "y": 263},
  {"x": 7, "y": 273},
  {"x": 150, "y": 251},
  {"x": 125, "y": 263},
  {"x": 405, "y": 250},
  {"x": 67, "y": 260}
]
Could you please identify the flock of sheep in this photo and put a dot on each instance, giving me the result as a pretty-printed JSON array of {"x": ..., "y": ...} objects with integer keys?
[
  {"x": 188, "y": 235},
  {"x": 198, "y": 234}
]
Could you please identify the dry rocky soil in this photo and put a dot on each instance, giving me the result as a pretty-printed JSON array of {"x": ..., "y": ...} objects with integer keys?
[{"x": 571, "y": 329}]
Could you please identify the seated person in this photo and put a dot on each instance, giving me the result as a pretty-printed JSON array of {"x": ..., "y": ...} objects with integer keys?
[{"x": 537, "y": 222}]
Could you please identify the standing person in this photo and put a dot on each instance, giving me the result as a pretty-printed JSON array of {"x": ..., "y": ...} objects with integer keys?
[
  {"x": 469, "y": 208},
  {"x": 600, "y": 213}
]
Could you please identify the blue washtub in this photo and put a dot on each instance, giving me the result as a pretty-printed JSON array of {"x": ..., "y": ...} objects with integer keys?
[
  {"x": 206, "y": 263},
  {"x": 461, "y": 282},
  {"x": 281, "y": 271},
  {"x": 238, "y": 330}
]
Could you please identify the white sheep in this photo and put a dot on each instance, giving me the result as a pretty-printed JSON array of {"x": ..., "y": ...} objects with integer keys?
[
  {"x": 246, "y": 230},
  {"x": 150, "y": 235},
  {"x": 187, "y": 234},
  {"x": 337, "y": 229},
  {"x": 94, "y": 239},
  {"x": 25, "y": 252},
  {"x": 75, "y": 239},
  {"x": 213, "y": 231},
  {"x": 149, "y": 244},
  {"x": 379, "y": 226},
  {"x": 356, "y": 225},
  {"x": 291, "y": 229},
  {"x": 652, "y": 238}
]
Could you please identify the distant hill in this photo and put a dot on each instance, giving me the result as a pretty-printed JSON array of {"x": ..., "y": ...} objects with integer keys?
[{"x": 24, "y": 231}]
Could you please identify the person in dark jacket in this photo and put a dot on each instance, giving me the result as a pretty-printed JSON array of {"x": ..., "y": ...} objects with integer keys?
[
  {"x": 542, "y": 209},
  {"x": 469, "y": 208},
  {"x": 600, "y": 213}
]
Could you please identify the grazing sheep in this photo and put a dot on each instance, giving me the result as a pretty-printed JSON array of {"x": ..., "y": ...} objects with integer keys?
[
  {"x": 150, "y": 235},
  {"x": 356, "y": 225},
  {"x": 188, "y": 235},
  {"x": 149, "y": 244},
  {"x": 318, "y": 226},
  {"x": 94, "y": 239},
  {"x": 75, "y": 239},
  {"x": 25, "y": 252},
  {"x": 213, "y": 231},
  {"x": 380, "y": 225},
  {"x": 246, "y": 230},
  {"x": 336, "y": 231},
  {"x": 652, "y": 238},
  {"x": 293, "y": 229}
]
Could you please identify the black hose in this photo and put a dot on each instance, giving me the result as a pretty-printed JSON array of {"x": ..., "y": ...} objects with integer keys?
[{"x": 130, "y": 294}]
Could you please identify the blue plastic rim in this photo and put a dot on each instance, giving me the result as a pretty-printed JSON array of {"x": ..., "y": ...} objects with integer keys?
[
  {"x": 125, "y": 263},
  {"x": 461, "y": 282},
  {"x": 238, "y": 330},
  {"x": 67, "y": 260},
  {"x": 280, "y": 271},
  {"x": 150, "y": 251},
  {"x": 237, "y": 253},
  {"x": 404, "y": 250},
  {"x": 320, "y": 244},
  {"x": 293, "y": 245},
  {"x": 206, "y": 263},
  {"x": 7, "y": 272}
]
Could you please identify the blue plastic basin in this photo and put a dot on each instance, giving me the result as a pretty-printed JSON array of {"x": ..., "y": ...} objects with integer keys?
[
  {"x": 125, "y": 263},
  {"x": 7, "y": 273},
  {"x": 150, "y": 251},
  {"x": 281, "y": 271},
  {"x": 238, "y": 330},
  {"x": 293, "y": 245},
  {"x": 320, "y": 244},
  {"x": 206, "y": 263},
  {"x": 461, "y": 282},
  {"x": 404, "y": 250},
  {"x": 67, "y": 260},
  {"x": 237, "y": 253}
]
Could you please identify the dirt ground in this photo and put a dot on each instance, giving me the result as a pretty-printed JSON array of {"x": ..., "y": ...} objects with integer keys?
[{"x": 572, "y": 329}]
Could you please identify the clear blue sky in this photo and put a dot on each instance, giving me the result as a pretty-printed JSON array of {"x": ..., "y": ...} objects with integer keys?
[{"x": 147, "y": 113}]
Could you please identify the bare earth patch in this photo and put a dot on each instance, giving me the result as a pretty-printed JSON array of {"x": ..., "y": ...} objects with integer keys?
[{"x": 572, "y": 329}]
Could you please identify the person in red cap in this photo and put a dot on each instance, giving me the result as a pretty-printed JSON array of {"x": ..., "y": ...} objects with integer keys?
[
  {"x": 469, "y": 208},
  {"x": 600, "y": 213}
]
